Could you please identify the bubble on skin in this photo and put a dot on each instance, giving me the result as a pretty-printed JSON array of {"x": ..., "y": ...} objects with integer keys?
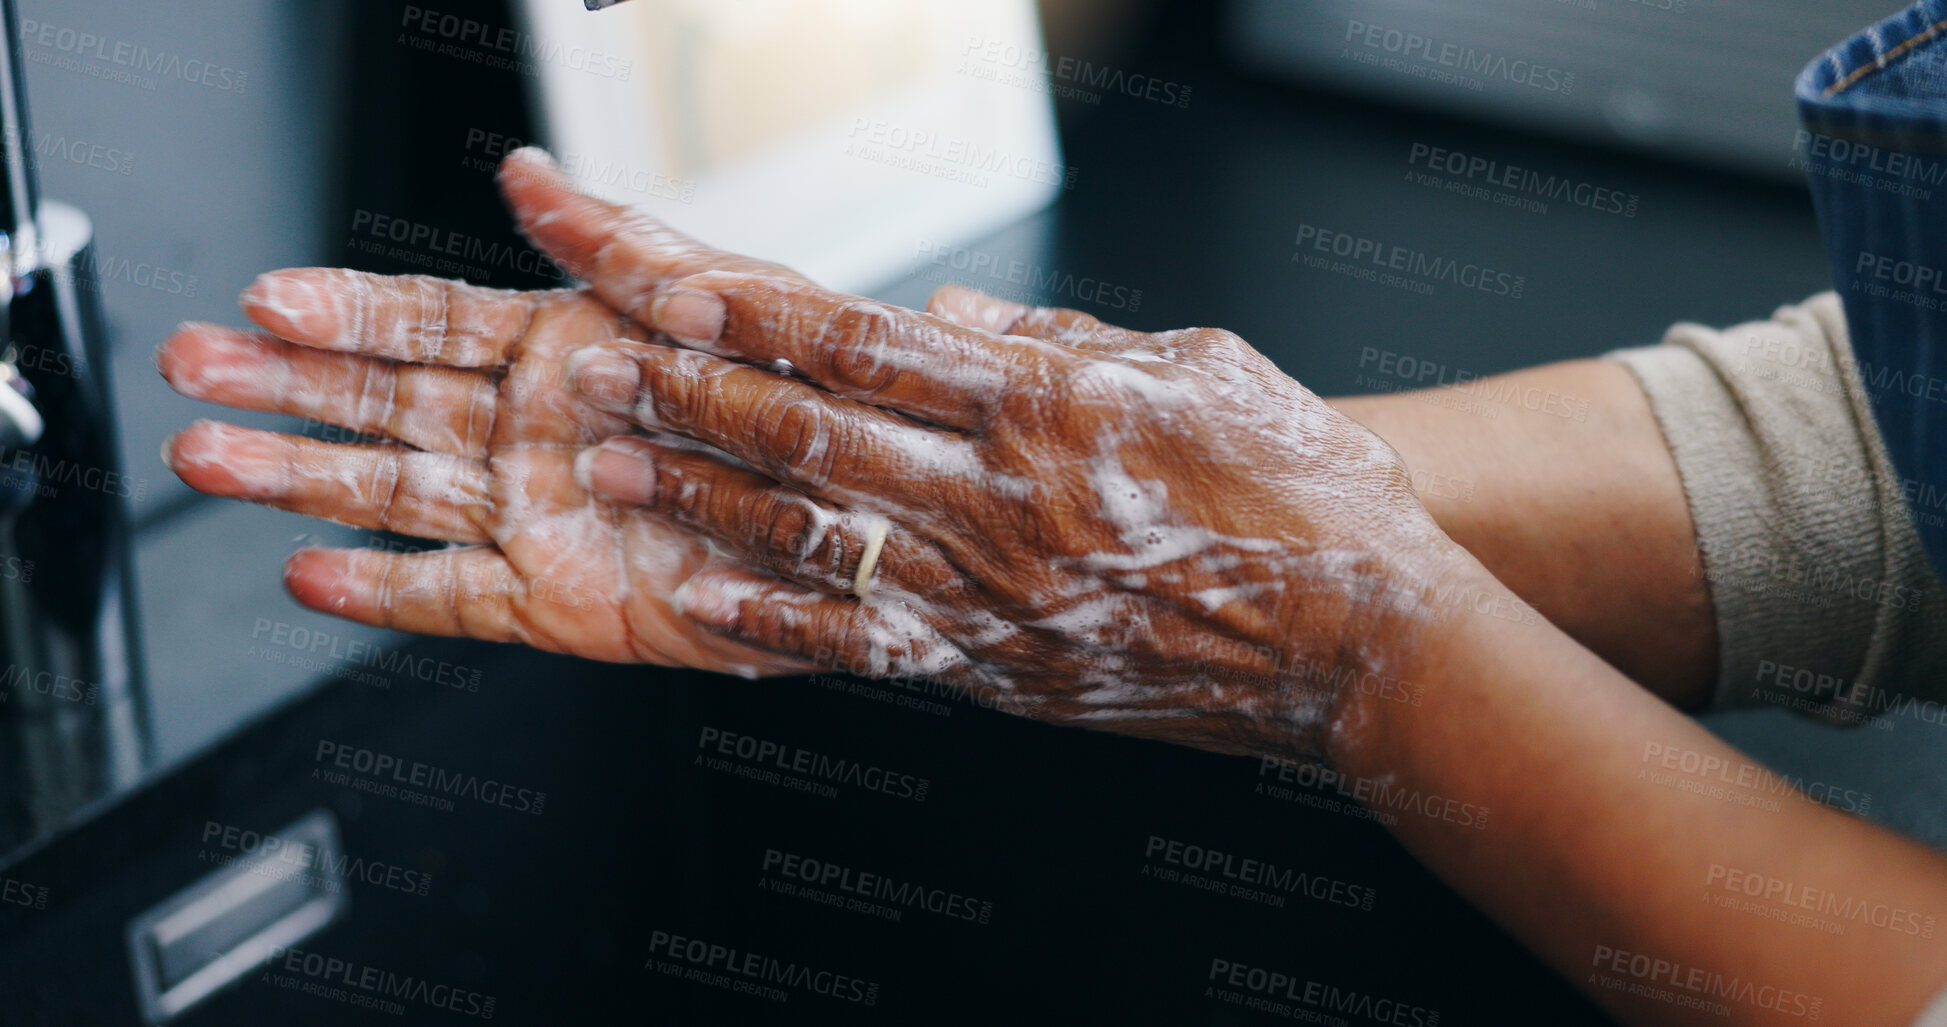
[
  {"x": 1163, "y": 396},
  {"x": 344, "y": 477},
  {"x": 686, "y": 444},
  {"x": 443, "y": 479},
  {"x": 1090, "y": 620},
  {"x": 1219, "y": 562},
  {"x": 1216, "y": 598},
  {"x": 983, "y": 628},
  {"x": 1140, "y": 512}
]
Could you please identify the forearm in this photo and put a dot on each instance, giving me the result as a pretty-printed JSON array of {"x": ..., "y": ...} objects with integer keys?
[
  {"x": 1606, "y": 828},
  {"x": 1557, "y": 478}
]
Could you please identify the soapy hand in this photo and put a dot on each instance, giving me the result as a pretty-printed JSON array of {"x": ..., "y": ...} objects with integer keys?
[
  {"x": 1160, "y": 535},
  {"x": 474, "y": 436}
]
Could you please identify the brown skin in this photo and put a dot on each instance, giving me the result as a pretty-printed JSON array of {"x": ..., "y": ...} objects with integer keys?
[
  {"x": 1604, "y": 548},
  {"x": 1030, "y": 464}
]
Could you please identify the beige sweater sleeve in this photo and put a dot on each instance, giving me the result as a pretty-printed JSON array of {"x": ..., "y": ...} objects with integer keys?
[{"x": 1825, "y": 602}]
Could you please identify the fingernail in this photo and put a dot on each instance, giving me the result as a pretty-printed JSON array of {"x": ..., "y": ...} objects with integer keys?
[
  {"x": 323, "y": 579},
  {"x": 155, "y": 355},
  {"x": 689, "y": 315},
  {"x": 293, "y": 306},
  {"x": 704, "y": 605},
  {"x": 584, "y": 475},
  {"x": 605, "y": 378},
  {"x": 527, "y": 164},
  {"x": 979, "y": 310},
  {"x": 617, "y": 474},
  {"x": 169, "y": 450},
  {"x": 534, "y": 155}
]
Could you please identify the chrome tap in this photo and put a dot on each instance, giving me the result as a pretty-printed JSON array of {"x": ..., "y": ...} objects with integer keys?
[{"x": 73, "y": 717}]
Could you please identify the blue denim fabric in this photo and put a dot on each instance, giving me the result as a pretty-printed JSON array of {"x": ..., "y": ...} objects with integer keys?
[{"x": 1874, "y": 110}]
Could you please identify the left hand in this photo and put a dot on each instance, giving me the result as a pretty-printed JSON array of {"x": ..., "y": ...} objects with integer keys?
[{"x": 1160, "y": 535}]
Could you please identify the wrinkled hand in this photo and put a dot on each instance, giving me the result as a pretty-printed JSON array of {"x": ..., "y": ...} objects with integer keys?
[
  {"x": 1160, "y": 535},
  {"x": 467, "y": 384}
]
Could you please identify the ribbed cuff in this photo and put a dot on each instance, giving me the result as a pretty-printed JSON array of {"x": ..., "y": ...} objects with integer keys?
[{"x": 1824, "y": 602}]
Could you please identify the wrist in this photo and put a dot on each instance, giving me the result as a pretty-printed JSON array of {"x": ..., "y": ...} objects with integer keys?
[
  {"x": 1418, "y": 652},
  {"x": 1428, "y": 449}
]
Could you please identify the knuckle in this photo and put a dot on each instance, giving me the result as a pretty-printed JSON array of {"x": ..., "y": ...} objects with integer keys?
[
  {"x": 677, "y": 399},
  {"x": 787, "y": 625},
  {"x": 788, "y": 529},
  {"x": 387, "y": 489},
  {"x": 717, "y": 281},
  {"x": 857, "y": 336},
  {"x": 1220, "y": 341},
  {"x": 687, "y": 497},
  {"x": 424, "y": 320},
  {"x": 807, "y": 446},
  {"x": 377, "y": 404}
]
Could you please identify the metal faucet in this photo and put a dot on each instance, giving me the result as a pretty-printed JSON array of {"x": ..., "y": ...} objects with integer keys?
[{"x": 74, "y": 726}]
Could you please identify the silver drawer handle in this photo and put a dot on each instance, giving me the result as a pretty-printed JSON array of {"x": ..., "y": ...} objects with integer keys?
[{"x": 212, "y": 933}]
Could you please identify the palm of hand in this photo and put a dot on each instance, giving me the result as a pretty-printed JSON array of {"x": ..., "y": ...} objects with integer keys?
[{"x": 467, "y": 385}]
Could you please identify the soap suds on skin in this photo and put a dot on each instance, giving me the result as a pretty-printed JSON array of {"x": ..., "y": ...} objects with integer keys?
[
  {"x": 1097, "y": 613},
  {"x": 1103, "y": 610},
  {"x": 1134, "y": 615}
]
